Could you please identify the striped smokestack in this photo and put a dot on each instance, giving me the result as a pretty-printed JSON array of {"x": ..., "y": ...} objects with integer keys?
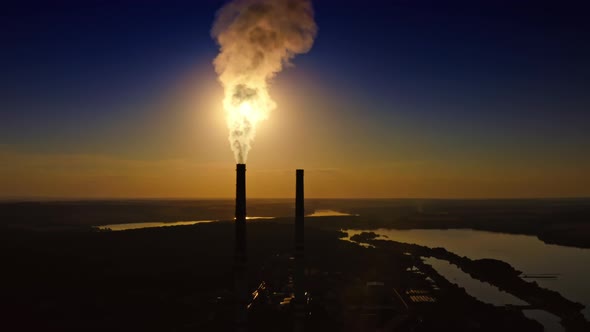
[{"x": 241, "y": 284}]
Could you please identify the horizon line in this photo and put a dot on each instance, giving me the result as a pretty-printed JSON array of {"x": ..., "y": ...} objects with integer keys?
[{"x": 73, "y": 199}]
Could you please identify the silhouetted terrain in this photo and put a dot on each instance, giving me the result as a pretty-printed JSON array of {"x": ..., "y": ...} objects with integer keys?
[
  {"x": 61, "y": 273},
  {"x": 179, "y": 279},
  {"x": 559, "y": 221}
]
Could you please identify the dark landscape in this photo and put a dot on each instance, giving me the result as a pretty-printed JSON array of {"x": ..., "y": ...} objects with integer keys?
[
  {"x": 559, "y": 221},
  {"x": 65, "y": 275}
]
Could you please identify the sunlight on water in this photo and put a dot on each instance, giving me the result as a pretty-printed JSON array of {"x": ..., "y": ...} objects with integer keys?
[
  {"x": 491, "y": 294},
  {"x": 330, "y": 213},
  {"x": 481, "y": 290},
  {"x": 123, "y": 227},
  {"x": 524, "y": 252}
]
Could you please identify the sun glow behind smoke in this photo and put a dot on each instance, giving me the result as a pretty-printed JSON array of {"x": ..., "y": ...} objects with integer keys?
[{"x": 256, "y": 39}]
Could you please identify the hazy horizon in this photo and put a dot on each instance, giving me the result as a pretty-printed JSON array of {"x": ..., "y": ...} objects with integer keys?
[{"x": 89, "y": 198}]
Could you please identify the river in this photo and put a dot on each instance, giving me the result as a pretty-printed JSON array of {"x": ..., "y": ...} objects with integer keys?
[{"x": 525, "y": 253}]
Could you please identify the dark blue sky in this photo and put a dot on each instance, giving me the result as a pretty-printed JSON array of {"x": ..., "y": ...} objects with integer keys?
[
  {"x": 527, "y": 58},
  {"x": 498, "y": 76}
]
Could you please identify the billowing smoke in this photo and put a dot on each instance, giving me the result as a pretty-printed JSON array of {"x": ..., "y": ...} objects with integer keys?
[{"x": 257, "y": 38}]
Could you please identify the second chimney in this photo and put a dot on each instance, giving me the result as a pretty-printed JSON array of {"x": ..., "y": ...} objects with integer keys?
[{"x": 300, "y": 298}]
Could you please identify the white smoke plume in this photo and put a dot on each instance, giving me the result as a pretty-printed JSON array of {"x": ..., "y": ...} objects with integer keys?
[{"x": 257, "y": 38}]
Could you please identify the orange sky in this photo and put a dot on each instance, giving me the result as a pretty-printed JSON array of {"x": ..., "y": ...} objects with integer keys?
[
  {"x": 180, "y": 150},
  {"x": 92, "y": 176}
]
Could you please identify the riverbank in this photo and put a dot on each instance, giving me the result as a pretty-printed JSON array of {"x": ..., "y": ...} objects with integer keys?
[{"x": 497, "y": 273}]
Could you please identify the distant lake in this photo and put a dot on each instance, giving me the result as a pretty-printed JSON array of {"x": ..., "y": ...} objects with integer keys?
[
  {"x": 330, "y": 213},
  {"x": 525, "y": 253},
  {"x": 138, "y": 225}
]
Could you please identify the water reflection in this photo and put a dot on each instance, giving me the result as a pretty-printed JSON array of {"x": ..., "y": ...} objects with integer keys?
[
  {"x": 491, "y": 294},
  {"x": 525, "y": 253},
  {"x": 481, "y": 290},
  {"x": 138, "y": 225},
  {"x": 123, "y": 227},
  {"x": 330, "y": 213},
  {"x": 549, "y": 320}
]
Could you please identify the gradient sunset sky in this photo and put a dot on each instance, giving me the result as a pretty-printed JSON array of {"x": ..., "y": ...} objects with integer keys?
[{"x": 406, "y": 98}]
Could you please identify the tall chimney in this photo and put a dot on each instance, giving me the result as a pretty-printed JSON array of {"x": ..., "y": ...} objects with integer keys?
[
  {"x": 299, "y": 253},
  {"x": 241, "y": 284},
  {"x": 299, "y": 214}
]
